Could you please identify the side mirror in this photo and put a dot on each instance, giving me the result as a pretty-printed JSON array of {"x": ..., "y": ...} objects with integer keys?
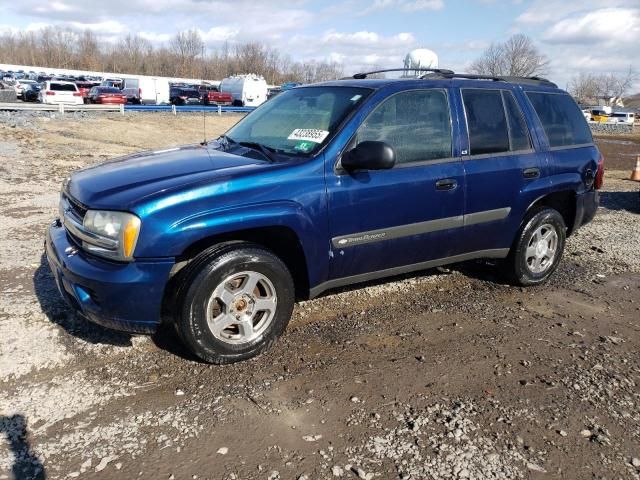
[{"x": 369, "y": 155}]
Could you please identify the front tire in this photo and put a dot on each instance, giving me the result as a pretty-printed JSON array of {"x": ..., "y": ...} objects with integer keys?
[
  {"x": 538, "y": 248},
  {"x": 236, "y": 299}
]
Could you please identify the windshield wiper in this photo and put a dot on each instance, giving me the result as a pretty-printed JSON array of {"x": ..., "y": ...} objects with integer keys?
[{"x": 266, "y": 151}]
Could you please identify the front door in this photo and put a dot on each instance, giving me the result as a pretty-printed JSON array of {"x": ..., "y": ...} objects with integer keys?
[{"x": 383, "y": 220}]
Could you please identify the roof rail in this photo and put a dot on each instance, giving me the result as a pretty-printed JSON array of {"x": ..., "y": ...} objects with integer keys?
[
  {"x": 530, "y": 81},
  {"x": 494, "y": 78},
  {"x": 360, "y": 76},
  {"x": 445, "y": 73}
]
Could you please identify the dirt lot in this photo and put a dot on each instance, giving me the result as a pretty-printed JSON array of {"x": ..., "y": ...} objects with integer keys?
[
  {"x": 447, "y": 374},
  {"x": 620, "y": 151}
]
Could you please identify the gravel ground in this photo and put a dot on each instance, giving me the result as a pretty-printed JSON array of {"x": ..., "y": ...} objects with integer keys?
[{"x": 448, "y": 374}]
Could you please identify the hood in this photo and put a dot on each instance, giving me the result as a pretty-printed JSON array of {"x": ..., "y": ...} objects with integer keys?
[{"x": 120, "y": 183}]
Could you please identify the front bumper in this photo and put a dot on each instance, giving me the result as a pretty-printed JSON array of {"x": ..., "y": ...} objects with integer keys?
[{"x": 120, "y": 296}]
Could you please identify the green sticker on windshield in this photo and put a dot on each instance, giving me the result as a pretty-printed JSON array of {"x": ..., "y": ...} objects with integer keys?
[{"x": 304, "y": 146}]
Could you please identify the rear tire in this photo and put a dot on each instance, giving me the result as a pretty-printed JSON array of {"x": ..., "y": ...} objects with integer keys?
[
  {"x": 235, "y": 300},
  {"x": 538, "y": 248}
]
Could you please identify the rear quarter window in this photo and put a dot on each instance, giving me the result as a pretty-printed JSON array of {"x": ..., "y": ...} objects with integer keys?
[
  {"x": 63, "y": 87},
  {"x": 561, "y": 118}
]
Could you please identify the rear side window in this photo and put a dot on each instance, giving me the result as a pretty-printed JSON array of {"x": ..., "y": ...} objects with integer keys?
[
  {"x": 518, "y": 131},
  {"x": 561, "y": 118},
  {"x": 486, "y": 121},
  {"x": 417, "y": 124},
  {"x": 63, "y": 87}
]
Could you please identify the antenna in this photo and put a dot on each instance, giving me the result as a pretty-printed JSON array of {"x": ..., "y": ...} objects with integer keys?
[{"x": 204, "y": 126}]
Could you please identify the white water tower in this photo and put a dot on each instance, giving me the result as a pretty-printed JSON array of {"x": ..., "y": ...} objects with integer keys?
[{"x": 420, "y": 58}]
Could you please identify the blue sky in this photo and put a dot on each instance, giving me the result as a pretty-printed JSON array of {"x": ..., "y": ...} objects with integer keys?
[{"x": 584, "y": 36}]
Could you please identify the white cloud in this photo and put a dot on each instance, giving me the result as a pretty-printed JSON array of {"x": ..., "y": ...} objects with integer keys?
[
  {"x": 403, "y": 5},
  {"x": 108, "y": 27},
  {"x": 416, "y": 5},
  {"x": 366, "y": 39},
  {"x": 607, "y": 25},
  {"x": 355, "y": 51},
  {"x": 220, "y": 34}
]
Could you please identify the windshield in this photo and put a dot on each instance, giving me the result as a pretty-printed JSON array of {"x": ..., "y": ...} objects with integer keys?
[{"x": 298, "y": 121}]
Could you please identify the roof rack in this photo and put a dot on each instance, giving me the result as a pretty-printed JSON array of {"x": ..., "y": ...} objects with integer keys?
[
  {"x": 493, "y": 78},
  {"x": 443, "y": 71}
]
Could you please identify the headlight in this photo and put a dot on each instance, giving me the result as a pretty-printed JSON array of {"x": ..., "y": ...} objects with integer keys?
[{"x": 120, "y": 227}]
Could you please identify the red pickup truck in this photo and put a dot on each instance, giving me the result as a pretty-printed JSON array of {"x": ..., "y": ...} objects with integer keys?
[{"x": 211, "y": 96}]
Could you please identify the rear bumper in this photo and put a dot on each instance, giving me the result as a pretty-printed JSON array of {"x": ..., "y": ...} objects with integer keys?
[
  {"x": 586, "y": 207},
  {"x": 65, "y": 101},
  {"x": 120, "y": 296}
]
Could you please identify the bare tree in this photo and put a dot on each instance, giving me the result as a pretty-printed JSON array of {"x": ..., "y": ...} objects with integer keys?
[
  {"x": 516, "y": 57},
  {"x": 606, "y": 88},
  {"x": 584, "y": 87},
  {"x": 88, "y": 51},
  {"x": 187, "y": 46},
  {"x": 184, "y": 56}
]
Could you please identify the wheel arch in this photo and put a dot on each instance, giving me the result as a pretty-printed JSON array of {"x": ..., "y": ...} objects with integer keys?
[
  {"x": 281, "y": 240},
  {"x": 564, "y": 201}
]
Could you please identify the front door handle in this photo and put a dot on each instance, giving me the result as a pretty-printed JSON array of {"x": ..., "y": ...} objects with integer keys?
[
  {"x": 446, "y": 184},
  {"x": 531, "y": 173}
]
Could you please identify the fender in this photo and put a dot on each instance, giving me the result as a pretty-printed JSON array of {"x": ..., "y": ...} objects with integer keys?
[
  {"x": 565, "y": 182},
  {"x": 225, "y": 220}
]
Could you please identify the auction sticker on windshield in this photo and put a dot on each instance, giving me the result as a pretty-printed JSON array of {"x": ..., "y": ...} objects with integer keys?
[{"x": 308, "y": 135}]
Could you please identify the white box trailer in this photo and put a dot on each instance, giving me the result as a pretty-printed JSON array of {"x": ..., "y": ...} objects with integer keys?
[
  {"x": 246, "y": 90},
  {"x": 146, "y": 90}
]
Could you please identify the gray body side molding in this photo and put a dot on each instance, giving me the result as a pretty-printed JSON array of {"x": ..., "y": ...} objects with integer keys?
[
  {"x": 383, "y": 234},
  {"x": 365, "y": 277}
]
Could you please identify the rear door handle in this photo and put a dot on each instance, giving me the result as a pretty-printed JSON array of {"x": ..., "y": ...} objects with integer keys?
[
  {"x": 531, "y": 173},
  {"x": 446, "y": 184}
]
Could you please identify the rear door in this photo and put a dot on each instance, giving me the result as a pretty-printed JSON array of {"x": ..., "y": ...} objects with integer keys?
[
  {"x": 390, "y": 219},
  {"x": 501, "y": 166},
  {"x": 571, "y": 156}
]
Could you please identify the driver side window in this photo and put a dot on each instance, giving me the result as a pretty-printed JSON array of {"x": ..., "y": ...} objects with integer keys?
[{"x": 417, "y": 124}]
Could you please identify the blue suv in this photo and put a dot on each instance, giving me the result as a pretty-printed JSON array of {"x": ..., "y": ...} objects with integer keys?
[{"x": 326, "y": 185}]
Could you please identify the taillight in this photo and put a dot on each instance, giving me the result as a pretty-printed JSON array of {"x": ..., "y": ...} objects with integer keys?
[
  {"x": 49, "y": 92},
  {"x": 599, "y": 180},
  {"x": 139, "y": 92},
  {"x": 77, "y": 94},
  {"x": 184, "y": 98}
]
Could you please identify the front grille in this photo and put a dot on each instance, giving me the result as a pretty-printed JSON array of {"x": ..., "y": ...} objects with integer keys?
[{"x": 74, "y": 207}]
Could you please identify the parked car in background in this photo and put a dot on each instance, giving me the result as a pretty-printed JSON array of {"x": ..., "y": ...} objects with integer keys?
[
  {"x": 112, "y": 82},
  {"x": 20, "y": 85},
  {"x": 131, "y": 90},
  {"x": 56, "y": 92},
  {"x": 289, "y": 85},
  {"x": 273, "y": 91},
  {"x": 246, "y": 90},
  {"x": 84, "y": 87},
  {"x": 212, "y": 96},
  {"x": 184, "y": 96},
  {"x": 622, "y": 117},
  {"x": 30, "y": 92},
  {"x": 106, "y": 96}
]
